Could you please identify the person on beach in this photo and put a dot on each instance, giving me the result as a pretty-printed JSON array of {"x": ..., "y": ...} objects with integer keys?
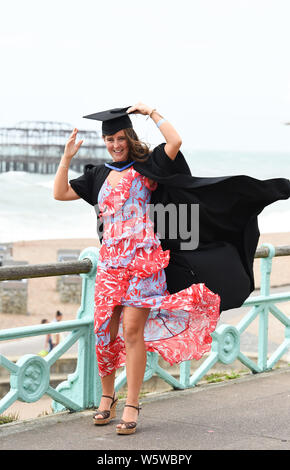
[
  {"x": 56, "y": 337},
  {"x": 153, "y": 293},
  {"x": 48, "y": 346}
]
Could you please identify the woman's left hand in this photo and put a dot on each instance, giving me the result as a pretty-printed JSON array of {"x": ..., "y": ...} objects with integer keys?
[{"x": 140, "y": 108}]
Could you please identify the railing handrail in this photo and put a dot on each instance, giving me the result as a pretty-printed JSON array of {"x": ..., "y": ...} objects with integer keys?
[
  {"x": 42, "y": 329},
  {"x": 280, "y": 250},
  {"x": 16, "y": 272}
]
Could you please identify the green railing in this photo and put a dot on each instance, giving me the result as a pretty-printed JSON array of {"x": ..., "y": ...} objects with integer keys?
[
  {"x": 226, "y": 338},
  {"x": 30, "y": 376}
]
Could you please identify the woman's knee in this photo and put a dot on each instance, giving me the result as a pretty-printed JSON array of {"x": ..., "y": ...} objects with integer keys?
[
  {"x": 133, "y": 325},
  {"x": 133, "y": 332}
]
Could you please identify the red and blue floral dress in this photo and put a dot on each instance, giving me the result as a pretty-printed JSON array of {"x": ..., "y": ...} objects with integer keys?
[{"x": 130, "y": 272}]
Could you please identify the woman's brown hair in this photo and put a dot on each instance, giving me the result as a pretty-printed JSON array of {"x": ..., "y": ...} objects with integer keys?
[{"x": 138, "y": 151}]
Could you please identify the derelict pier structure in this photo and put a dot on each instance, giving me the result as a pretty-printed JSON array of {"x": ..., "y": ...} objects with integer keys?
[{"x": 37, "y": 147}]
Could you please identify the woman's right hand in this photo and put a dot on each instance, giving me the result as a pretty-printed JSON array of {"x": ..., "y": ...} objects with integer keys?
[{"x": 71, "y": 148}]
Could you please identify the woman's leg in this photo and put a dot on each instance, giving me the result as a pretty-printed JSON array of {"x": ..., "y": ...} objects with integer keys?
[
  {"x": 108, "y": 381},
  {"x": 134, "y": 320}
]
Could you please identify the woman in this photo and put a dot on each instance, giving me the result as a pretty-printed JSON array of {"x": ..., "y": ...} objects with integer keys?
[
  {"x": 145, "y": 290},
  {"x": 148, "y": 297}
]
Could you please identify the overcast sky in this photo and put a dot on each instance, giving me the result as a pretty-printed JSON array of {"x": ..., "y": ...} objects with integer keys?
[{"x": 219, "y": 70}]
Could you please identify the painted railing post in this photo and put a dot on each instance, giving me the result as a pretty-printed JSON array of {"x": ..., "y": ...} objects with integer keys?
[
  {"x": 184, "y": 373},
  {"x": 266, "y": 268},
  {"x": 84, "y": 385}
]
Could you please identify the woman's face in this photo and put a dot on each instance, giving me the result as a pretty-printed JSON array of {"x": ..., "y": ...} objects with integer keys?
[{"x": 117, "y": 146}]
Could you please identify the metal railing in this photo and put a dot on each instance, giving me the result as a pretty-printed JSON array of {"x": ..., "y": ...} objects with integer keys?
[{"x": 30, "y": 376}]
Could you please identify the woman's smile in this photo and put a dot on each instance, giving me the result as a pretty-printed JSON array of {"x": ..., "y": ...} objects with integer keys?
[{"x": 118, "y": 152}]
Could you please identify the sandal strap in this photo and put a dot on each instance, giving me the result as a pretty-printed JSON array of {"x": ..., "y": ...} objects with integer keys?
[
  {"x": 128, "y": 424},
  {"x": 105, "y": 414},
  {"x": 136, "y": 407},
  {"x": 113, "y": 398}
]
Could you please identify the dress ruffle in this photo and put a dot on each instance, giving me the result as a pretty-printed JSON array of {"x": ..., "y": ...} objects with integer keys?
[{"x": 131, "y": 272}]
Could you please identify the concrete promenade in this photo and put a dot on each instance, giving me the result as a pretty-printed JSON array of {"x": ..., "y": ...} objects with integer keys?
[{"x": 247, "y": 413}]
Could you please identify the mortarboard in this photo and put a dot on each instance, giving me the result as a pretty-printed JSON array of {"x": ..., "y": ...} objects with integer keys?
[{"x": 113, "y": 120}]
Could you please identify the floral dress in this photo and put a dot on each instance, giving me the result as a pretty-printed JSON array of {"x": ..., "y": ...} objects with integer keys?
[{"x": 130, "y": 272}]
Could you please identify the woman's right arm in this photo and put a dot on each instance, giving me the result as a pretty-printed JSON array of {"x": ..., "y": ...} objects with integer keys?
[{"x": 62, "y": 190}]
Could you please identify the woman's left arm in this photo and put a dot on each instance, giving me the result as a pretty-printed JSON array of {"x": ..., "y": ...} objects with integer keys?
[{"x": 173, "y": 139}]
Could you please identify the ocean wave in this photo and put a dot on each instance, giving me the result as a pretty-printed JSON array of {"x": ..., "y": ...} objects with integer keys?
[{"x": 28, "y": 211}]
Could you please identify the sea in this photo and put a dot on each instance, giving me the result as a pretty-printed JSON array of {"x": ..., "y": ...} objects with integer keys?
[{"x": 28, "y": 210}]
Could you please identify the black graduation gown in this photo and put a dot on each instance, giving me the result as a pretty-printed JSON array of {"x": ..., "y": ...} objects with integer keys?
[{"x": 228, "y": 226}]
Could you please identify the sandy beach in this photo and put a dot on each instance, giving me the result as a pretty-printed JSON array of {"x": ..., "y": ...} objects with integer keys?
[{"x": 43, "y": 298}]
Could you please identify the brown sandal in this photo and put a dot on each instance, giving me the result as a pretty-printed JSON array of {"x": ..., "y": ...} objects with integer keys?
[
  {"x": 130, "y": 426},
  {"x": 107, "y": 415}
]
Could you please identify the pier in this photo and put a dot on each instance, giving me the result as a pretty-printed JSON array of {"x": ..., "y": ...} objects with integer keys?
[{"x": 37, "y": 147}]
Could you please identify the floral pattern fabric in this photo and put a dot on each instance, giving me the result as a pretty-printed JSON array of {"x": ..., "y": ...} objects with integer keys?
[{"x": 131, "y": 272}]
